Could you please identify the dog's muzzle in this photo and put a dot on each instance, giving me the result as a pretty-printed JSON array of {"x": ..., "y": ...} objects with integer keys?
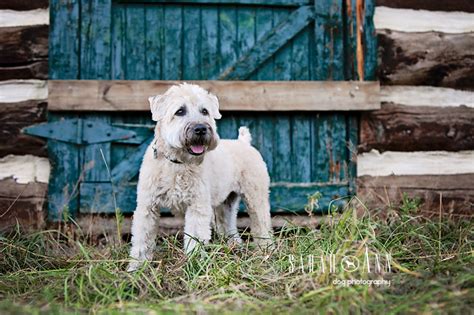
[{"x": 198, "y": 138}]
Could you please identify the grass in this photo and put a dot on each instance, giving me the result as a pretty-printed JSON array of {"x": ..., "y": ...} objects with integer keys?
[{"x": 431, "y": 271}]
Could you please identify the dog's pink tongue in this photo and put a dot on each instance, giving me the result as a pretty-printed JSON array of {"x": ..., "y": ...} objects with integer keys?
[{"x": 198, "y": 149}]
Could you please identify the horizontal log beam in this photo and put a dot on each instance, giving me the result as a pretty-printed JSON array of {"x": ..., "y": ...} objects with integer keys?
[
  {"x": 22, "y": 204},
  {"x": 95, "y": 95},
  {"x": 417, "y": 128},
  {"x": 454, "y": 193},
  {"x": 35, "y": 70},
  {"x": 23, "y": 5},
  {"x": 407, "y": 20},
  {"x": 431, "y": 5},
  {"x": 22, "y": 90},
  {"x": 25, "y": 169},
  {"x": 434, "y": 59},
  {"x": 10, "y": 18},
  {"x": 14, "y": 117},
  {"x": 426, "y": 96},
  {"x": 388, "y": 163},
  {"x": 21, "y": 45}
]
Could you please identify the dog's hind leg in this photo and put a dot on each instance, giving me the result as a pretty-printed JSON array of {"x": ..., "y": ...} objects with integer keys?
[
  {"x": 226, "y": 218},
  {"x": 258, "y": 207}
]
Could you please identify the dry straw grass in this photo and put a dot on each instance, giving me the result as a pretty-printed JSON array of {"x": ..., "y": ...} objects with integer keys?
[{"x": 52, "y": 272}]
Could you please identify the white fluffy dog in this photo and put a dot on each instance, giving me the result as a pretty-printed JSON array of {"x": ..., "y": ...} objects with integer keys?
[{"x": 189, "y": 170}]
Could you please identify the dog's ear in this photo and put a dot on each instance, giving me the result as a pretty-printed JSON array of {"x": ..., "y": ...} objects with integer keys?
[
  {"x": 214, "y": 107},
  {"x": 155, "y": 106}
]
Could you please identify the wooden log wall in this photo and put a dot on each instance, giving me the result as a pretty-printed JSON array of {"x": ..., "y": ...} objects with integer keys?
[
  {"x": 421, "y": 142},
  {"x": 24, "y": 167}
]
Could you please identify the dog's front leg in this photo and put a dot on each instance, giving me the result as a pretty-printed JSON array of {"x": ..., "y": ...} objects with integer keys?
[
  {"x": 144, "y": 231},
  {"x": 197, "y": 227}
]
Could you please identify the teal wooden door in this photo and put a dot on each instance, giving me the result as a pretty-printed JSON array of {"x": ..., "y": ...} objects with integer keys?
[{"x": 206, "y": 39}]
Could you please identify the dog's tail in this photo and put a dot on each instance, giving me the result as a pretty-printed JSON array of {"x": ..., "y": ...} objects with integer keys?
[{"x": 244, "y": 135}]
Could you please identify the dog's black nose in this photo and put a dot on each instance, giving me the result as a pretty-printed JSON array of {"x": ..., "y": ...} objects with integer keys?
[{"x": 200, "y": 130}]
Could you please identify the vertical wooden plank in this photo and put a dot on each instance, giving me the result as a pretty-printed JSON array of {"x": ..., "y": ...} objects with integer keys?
[
  {"x": 245, "y": 30},
  {"x": 63, "y": 64},
  {"x": 301, "y": 125},
  {"x": 64, "y": 39},
  {"x": 370, "y": 37},
  {"x": 353, "y": 140},
  {"x": 135, "y": 42},
  {"x": 65, "y": 176},
  {"x": 350, "y": 39},
  {"x": 265, "y": 134},
  {"x": 172, "y": 62},
  {"x": 93, "y": 163},
  {"x": 282, "y": 149},
  {"x": 245, "y": 40},
  {"x": 338, "y": 159},
  {"x": 96, "y": 64},
  {"x": 301, "y": 148},
  {"x": 95, "y": 39},
  {"x": 359, "y": 19},
  {"x": 328, "y": 57},
  {"x": 282, "y": 154},
  {"x": 153, "y": 41},
  {"x": 265, "y": 123},
  {"x": 282, "y": 61},
  {"x": 321, "y": 144},
  {"x": 227, "y": 36},
  {"x": 192, "y": 42},
  {"x": 118, "y": 41},
  {"x": 263, "y": 24},
  {"x": 361, "y": 39},
  {"x": 210, "y": 57},
  {"x": 300, "y": 60}
]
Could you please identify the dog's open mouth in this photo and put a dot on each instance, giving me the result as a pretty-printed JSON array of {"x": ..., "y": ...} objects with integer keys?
[{"x": 196, "y": 149}]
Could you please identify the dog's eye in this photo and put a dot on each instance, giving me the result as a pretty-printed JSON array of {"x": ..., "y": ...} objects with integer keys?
[
  {"x": 181, "y": 112},
  {"x": 204, "y": 112}
]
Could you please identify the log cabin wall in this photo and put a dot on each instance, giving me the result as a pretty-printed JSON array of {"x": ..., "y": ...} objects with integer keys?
[
  {"x": 420, "y": 142},
  {"x": 24, "y": 166}
]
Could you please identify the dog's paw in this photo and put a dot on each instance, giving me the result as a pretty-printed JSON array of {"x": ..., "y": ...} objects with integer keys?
[
  {"x": 234, "y": 241},
  {"x": 265, "y": 244},
  {"x": 134, "y": 266}
]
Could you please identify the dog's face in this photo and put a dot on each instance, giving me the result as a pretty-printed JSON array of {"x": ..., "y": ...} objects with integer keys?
[{"x": 185, "y": 117}]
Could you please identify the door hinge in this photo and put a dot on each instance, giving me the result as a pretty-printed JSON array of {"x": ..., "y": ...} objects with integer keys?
[{"x": 79, "y": 131}]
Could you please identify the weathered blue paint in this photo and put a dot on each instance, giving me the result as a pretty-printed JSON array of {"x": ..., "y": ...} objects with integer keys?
[
  {"x": 130, "y": 165},
  {"x": 185, "y": 40},
  {"x": 63, "y": 54},
  {"x": 269, "y": 44}
]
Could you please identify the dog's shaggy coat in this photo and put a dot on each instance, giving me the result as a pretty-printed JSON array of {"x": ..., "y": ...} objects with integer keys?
[{"x": 190, "y": 170}]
